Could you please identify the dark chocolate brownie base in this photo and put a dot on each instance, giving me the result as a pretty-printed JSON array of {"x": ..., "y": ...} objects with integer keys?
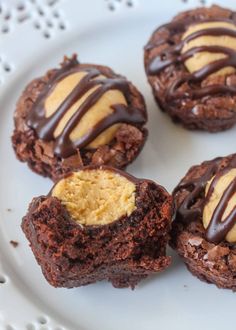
[
  {"x": 123, "y": 252},
  {"x": 212, "y": 113},
  {"x": 212, "y": 263},
  {"x": 39, "y": 155}
]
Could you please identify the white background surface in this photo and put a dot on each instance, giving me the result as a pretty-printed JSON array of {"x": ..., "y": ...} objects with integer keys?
[{"x": 172, "y": 300}]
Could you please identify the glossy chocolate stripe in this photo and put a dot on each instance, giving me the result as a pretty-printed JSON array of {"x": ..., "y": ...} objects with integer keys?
[
  {"x": 218, "y": 229},
  {"x": 173, "y": 56},
  {"x": 45, "y": 127},
  {"x": 121, "y": 114},
  {"x": 173, "y": 53},
  {"x": 187, "y": 211},
  {"x": 180, "y": 27}
]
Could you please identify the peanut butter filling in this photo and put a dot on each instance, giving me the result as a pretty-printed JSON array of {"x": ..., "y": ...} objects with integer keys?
[
  {"x": 201, "y": 59},
  {"x": 100, "y": 110},
  {"x": 95, "y": 196},
  {"x": 219, "y": 189}
]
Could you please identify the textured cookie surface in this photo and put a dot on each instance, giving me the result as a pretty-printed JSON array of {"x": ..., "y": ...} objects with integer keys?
[
  {"x": 81, "y": 243},
  {"x": 203, "y": 231},
  {"x": 79, "y": 115},
  {"x": 190, "y": 64}
]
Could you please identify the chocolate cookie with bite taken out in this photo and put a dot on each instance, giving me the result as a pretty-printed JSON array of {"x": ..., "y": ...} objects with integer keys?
[
  {"x": 79, "y": 115},
  {"x": 100, "y": 223},
  {"x": 204, "y": 229},
  {"x": 191, "y": 67}
]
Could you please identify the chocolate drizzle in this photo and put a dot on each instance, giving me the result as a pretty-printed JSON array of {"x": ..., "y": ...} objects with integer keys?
[
  {"x": 187, "y": 211},
  {"x": 218, "y": 229},
  {"x": 45, "y": 127},
  {"x": 172, "y": 56}
]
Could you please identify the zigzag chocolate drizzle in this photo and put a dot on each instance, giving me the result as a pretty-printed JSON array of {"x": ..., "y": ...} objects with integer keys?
[
  {"x": 217, "y": 229},
  {"x": 45, "y": 127},
  {"x": 173, "y": 55}
]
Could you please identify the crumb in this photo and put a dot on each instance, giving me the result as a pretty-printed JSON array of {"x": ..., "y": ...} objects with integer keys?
[
  {"x": 9, "y": 210},
  {"x": 14, "y": 243},
  {"x": 185, "y": 286}
]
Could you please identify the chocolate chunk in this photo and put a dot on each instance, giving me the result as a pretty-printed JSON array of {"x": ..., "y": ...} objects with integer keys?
[{"x": 14, "y": 243}]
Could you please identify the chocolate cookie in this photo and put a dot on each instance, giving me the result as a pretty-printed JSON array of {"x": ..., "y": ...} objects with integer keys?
[
  {"x": 100, "y": 223},
  {"x": 204, "y": 229},
  {"x": 191, "y": 66},
  {"x": 78, "y": 115}
]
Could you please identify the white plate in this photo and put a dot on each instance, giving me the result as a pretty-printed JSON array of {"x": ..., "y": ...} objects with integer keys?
[{"x": 47, "y": 30}]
